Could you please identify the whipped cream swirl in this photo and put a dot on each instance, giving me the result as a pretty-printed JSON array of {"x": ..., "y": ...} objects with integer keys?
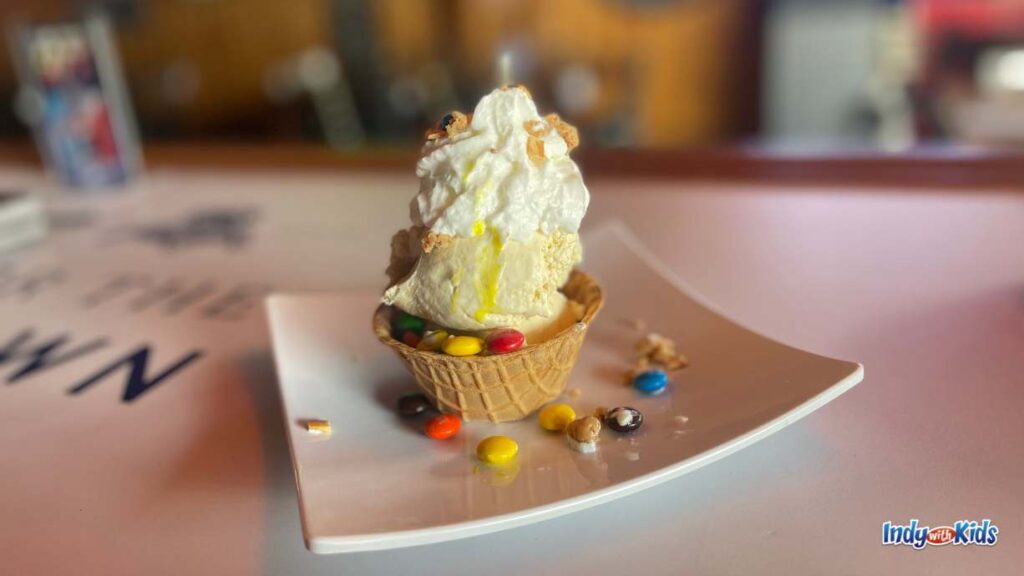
[{"x": 491, "y": 178}]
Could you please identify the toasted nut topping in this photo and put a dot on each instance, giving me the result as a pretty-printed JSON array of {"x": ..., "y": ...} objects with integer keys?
[
  {"x": 584, "y": 430},
  {"x": 318, "y": 426},
  {"x": 537, "y": 128},
  {"x": 567, "y": 131},
  {"x": 535, "y": 149},
  {"x": 434, "y": 240},
  {"x": 458, "y": 124},
  {"x": 660, "y": 350}
]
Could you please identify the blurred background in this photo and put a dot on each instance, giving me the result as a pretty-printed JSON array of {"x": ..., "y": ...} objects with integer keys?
[{"x": 350, "y": 74}]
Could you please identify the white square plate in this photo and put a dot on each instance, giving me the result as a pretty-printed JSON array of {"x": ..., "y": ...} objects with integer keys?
[{"x": 377, "y": 482}]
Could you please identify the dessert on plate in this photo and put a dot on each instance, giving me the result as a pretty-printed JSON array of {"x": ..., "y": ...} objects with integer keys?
[{"x": 484, "y": 304}]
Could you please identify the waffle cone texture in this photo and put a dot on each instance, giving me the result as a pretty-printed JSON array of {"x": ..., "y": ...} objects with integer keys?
[{"x": 502, "y": 387}]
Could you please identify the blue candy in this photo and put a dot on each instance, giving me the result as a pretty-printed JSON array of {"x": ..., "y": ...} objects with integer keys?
[{"x": 651, "y": 381}]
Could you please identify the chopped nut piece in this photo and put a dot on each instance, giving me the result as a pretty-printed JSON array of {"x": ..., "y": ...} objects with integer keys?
[
  {"x": 434, "y": 134},
  {"x": 601, "y": 412},
  {"x": 536, "y": 128},
  {"x": 660, "y": 350},
  {"x": 318, "y": 426},
  {"x": 434, "y": 240},
  {"x": 458, "y": 124},
  {"x": 567, "y": 131},
  {"x": 535, "y": 149},
  {"x": 570, "y": 135},
  {"x": 584, "y": 430}
]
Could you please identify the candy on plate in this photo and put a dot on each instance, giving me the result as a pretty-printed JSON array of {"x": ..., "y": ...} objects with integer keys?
[
  {"x": 624, "y": 419},
  {"x": 443, "y": 427},
  {"x": 651, "y": 381},
  {"x": 413, "y": 405},
  {"x": 555, "y": 417},
  {"x": 497, "y": 450}
]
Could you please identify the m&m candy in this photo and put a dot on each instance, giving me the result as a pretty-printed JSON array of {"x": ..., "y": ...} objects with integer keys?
[
  {"x": 413, "y": 405},
  {"x": 443, "y": 427},
  {"x": 505, "y": 340},
  {"x": 555, "y": 417},
  {"x": 651, "y": 381},
  {"x": 411, "y": 339},
  {"x": 497, "y": 450},
  {"x": 405, "y": 322},
  {"x": 582, "y": 434},
  {"x": 432, "y": 341},
  {"x": 463, "y": 346},
  {"x": 624, "y": 419}
]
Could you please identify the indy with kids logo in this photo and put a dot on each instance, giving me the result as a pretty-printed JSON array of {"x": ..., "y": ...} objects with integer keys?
[{"x": 963, "y": 533}]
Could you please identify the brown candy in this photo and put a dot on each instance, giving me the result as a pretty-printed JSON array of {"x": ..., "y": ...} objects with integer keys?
[{"x": 584, "y": 430}]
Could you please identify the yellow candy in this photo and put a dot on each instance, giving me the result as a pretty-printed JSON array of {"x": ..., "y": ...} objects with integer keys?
[
  {"x": 555, "y": 417},
  {"x": 463, "y": 346},
  {"x": 432, "y": 341},
  {"x": 497, "y": 449}
]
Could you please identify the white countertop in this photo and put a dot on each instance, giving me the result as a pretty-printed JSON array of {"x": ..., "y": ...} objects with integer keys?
[{"x": 925, "y": 288}]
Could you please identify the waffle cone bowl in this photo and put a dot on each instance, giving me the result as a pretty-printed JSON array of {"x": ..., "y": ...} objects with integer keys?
[{"x": 505, "y": 387}]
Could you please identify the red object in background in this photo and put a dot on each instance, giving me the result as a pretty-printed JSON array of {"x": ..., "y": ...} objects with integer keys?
[
  {"x": 975, "y": 19},
  {"x": 954, "y": 34},
  {"x": 103, "y": 142}
]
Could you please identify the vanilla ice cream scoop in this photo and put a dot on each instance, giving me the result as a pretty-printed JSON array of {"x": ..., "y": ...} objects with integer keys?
[{"x": 495, "y": 222}]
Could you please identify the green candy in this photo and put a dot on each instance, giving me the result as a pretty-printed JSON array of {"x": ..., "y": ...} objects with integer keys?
[{"x": 406, "y": 322}]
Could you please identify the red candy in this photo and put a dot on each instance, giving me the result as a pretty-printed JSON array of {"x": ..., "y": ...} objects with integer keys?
[
  {"x": 411, "y": 339},
  {"x": 443, "y": 427},
  {"x": 505, "y": 340}
]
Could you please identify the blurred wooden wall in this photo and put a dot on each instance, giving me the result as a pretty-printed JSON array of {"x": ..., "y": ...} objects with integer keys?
[
  {"x": 675, "y": 62},
  {"x": 225, "y": 47},
  {"x": 220, "y": 48},
  {"x": 684, "y": 71}
]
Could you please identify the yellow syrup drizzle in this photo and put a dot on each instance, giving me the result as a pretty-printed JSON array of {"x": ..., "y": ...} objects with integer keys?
[
  {"x": 488, "y": 274},
  {"x": 479, "y": 226}
]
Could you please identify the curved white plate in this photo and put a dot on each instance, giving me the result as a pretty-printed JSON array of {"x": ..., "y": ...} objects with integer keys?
[{"x": 378, "y": 483}]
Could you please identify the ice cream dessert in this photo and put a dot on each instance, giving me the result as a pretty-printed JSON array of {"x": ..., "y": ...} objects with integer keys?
[
  {"x": 495, "y": 222},
  {"x": 484, "y": 304}
]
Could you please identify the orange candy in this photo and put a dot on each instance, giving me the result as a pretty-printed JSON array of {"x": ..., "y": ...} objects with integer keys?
[{"x": 443, "y": 427}]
